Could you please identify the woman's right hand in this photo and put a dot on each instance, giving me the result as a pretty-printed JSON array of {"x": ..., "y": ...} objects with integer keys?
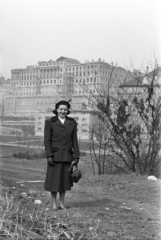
[{"x": 50, "y": 161}]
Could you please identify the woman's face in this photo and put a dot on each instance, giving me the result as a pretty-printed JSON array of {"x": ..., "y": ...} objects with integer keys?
[{"x": 62, "y": 111}]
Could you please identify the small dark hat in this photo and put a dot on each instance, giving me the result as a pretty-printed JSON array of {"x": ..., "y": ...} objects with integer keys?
[{"x": 62, "y": 102}]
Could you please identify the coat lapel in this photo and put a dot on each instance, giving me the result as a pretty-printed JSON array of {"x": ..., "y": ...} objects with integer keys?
[
  {"x": 67, "y": 122},
  {"x": 57, "y": 121}
]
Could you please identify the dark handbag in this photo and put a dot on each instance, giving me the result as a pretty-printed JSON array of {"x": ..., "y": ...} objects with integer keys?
[{"x": 76, "y": 175}]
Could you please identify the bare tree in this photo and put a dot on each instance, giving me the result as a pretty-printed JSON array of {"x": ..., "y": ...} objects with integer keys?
[
  {"x": 28, "y": 134},
  {"x": 99, "y": 139},
  {"x": 131, "y": 110}
]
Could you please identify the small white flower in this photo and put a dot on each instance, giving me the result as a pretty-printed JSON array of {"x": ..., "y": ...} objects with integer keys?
[
  {"x": 106, "y": 208},
  {"x": 24, "y": 194},
  {"x": 38, "y": 201}
]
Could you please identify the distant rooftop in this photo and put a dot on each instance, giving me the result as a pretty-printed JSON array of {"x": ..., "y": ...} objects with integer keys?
[
  {"x": 134, "y": 82},
  {"x": 68, "y": 59}
]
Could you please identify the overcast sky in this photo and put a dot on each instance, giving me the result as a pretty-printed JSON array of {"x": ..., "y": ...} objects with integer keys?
[{"x": 119, "y": 31}]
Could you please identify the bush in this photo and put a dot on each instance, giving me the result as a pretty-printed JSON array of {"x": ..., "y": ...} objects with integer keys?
[
  {"x": 29, "y": 156},
  {"x": 82, "y": 154},
  {"x": 42, "y": 155},
  {"x": 157, "y": 169},
  {"x": 21, "y": 155},
  {"x": 35, "y": 155},
  {"x": 15, "y": 155}
]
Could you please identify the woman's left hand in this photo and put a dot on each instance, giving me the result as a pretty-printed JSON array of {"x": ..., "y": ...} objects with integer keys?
[{"x": 76, "y": 161}]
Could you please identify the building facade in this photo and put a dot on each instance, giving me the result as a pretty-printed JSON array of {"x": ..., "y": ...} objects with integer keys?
[
  {"x": 31, "y": 89},
  {"x": 34, "y": 90}
]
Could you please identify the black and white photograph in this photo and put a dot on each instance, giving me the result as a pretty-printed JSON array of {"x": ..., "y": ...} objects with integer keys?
[{"x": 80, "y": 120}]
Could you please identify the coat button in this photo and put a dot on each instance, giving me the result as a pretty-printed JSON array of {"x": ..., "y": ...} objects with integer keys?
[{"x": 63, "y": 148}]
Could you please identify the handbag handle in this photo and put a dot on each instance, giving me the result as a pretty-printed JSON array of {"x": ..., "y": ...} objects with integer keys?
[{"x": 71, "y": 166}]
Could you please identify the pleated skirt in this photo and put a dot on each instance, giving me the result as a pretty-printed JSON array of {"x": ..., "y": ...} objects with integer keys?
[{"x": 58, "y": 178}]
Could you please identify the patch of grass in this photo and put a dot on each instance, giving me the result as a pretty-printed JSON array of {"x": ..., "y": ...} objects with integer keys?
[
  {"x": 21, "y": 218},
  {"x": 100, "y": 208}
]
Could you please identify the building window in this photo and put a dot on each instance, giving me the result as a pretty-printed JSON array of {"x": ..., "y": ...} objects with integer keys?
[
  {"x": 84, "y": 106},
  {"x": 39, "y": 129},
  {"x": 45, "y": 105},
  {"x": 37, "y": 107},
  {"x": 41, "y": 106}
]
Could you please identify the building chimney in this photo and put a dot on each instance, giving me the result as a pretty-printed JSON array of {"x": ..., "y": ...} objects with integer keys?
[{"x": 147, "y": 69}]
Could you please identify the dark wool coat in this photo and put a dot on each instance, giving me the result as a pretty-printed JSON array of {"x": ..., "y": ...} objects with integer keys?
[{"x": 60, "y": 140}]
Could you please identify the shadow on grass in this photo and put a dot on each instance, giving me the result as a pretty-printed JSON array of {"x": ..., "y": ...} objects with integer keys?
[{"x": 94, "y": 203}]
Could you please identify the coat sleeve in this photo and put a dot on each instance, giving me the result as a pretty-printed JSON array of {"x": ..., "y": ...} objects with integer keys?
[
  {"x": 75, "y": 143},
  {"x": 47, "y": 138}
]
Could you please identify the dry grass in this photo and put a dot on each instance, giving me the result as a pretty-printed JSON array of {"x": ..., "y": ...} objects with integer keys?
[
  {"x": 21, "y": 219},
  {"x": 106, "y": 207}
]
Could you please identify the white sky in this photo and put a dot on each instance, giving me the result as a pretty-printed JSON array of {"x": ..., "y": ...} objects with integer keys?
[{"x": 115, "y": 30}]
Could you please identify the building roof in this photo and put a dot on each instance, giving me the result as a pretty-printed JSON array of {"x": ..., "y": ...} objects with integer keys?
[
  {"x": 68, "y": 59},
  {"x": 155, "y": 72},
  {"x": 134, "y": 82}
]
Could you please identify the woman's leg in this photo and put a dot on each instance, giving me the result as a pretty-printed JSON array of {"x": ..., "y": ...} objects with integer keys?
[
  {"x": 53, "y": 195},
  {"x": 62, "y": 197}
]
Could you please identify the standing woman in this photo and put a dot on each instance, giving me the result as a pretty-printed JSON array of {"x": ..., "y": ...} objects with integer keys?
[{"x": 61, "y": 147}]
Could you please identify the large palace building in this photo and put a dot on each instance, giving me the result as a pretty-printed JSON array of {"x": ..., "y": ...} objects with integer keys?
[{"x": 34, "y": 90}]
